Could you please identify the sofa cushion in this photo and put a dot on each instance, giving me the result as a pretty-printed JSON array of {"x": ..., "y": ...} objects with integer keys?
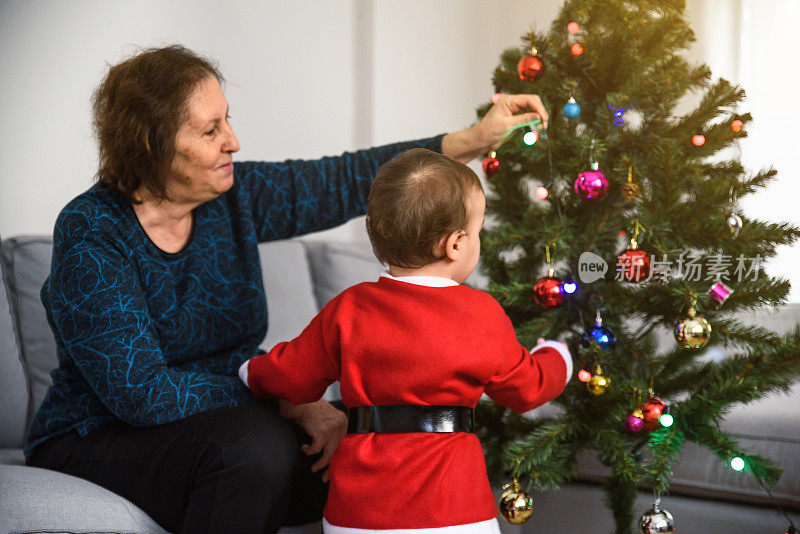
[
  {"x": 335, "y": 266},
  {"x": 287, "y": 282},
  {"x": 40, "y": 500},
  {"x": 13, "y": 456},
  {"x": 27, "y": 260},
  {"x": 14, "y": 393}
]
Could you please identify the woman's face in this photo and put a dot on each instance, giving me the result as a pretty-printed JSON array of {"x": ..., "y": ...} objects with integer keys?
[{"x": 204, "y": 147}]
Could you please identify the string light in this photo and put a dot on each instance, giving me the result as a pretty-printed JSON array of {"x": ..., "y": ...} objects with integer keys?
[
  {"x": 698, "y": 140},
  {"x": 530, "y": 138},
  {"x": 573, "y": 27},
  {"x": 576, "y": 49},
  {"x": 737, "y": 464},
  {"x": 584, "y": 375},
  {"x": 541, "y": 192},
  {"x": 666, "y": 420},
  {"x": 618, "y": 115},
  {"x": 570, "y": 287},
  {"x": 736, "y": 125}
]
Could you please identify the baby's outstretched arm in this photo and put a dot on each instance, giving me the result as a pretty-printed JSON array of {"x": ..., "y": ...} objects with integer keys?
[
  {"x": 299, "y": 370},
  {"x": 527, "y": 379},
  {"x": 561, "y": 348}
]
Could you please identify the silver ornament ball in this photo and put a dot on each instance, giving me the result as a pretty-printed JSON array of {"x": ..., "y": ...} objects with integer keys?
[
  {"x": 656, "y": 520},
  {"x": 734, "y": 223}
]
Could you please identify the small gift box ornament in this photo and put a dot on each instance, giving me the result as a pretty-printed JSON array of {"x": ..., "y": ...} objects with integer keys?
[{"x": 719, "y": 292}]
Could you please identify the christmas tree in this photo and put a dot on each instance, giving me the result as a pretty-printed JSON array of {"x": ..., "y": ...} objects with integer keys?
[{"x": 619, "y": 220}]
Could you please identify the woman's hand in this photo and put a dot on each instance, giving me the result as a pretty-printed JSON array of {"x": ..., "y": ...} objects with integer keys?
[
  {"x": 325, "y": 424},
  {"x": 494, "y": 127}
]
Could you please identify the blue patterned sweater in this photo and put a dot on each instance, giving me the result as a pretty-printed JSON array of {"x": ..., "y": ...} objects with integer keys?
[{"x": 149, "y": 337}]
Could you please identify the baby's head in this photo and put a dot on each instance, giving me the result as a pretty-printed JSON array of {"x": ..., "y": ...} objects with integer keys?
[{"x": 425, "y": 210}]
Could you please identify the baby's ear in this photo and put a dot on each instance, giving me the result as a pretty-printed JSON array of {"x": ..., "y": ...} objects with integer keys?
[{"x": 454, "y": 243}]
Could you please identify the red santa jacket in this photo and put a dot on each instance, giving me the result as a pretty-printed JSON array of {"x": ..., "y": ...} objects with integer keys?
[{"x": 389, "y": 343}]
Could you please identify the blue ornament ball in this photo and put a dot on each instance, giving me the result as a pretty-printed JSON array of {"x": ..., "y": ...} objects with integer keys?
[
  {"x": 602, "y": 336},
  {"x": 572, "y": 109}
]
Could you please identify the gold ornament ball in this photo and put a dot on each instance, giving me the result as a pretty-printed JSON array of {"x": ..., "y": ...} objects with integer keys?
[
  {"x": 598, "y": 384},
  {"x": 693, "y": 332},
  {"x": 630, "y": 191},
  {"x": 515, "y": 506}
]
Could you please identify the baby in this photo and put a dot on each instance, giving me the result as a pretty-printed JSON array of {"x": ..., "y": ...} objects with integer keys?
[{"x": 414, "y": 352}]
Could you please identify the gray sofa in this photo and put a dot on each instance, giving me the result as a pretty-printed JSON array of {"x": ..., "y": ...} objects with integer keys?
[{"x": 300, "y": 276}]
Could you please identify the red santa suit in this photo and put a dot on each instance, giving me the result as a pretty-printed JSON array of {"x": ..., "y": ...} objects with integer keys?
[{"x": 421, "y": 341}]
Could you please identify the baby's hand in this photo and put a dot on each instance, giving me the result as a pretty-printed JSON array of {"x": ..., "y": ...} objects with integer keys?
[{"x": 542, "y": 340}]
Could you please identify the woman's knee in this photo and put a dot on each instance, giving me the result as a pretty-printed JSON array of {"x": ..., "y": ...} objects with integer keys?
[{"x": 258, "y": 441}]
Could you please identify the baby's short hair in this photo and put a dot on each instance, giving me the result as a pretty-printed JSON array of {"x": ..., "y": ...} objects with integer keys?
[{"x": 417, "y": 198}]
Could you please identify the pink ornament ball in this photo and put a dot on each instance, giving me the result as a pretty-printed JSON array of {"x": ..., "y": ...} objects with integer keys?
[{"x": 592, "y": 185}]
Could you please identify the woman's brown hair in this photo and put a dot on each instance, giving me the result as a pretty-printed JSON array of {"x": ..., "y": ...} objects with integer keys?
[
  {"x": 138, "y": 109},
  {"x": 417, "y": 198}
]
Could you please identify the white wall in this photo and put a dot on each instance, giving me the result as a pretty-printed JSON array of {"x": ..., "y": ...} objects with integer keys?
[
  {"x": 318, "y": 77},
  {"x": 289, "y": 68},
  {"x": 305, "y": 79}
]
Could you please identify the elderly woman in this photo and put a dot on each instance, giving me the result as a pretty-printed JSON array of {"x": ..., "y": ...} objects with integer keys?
[{"x": 155, "y": 299}]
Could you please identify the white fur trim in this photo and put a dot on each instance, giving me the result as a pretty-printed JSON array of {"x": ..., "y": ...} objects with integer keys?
[
  {"x": 562, "y": 350},
  {"x": 482, "y": 527},
  {"x": 243, "y": 372},
  {"x": 429, "y": 281}
]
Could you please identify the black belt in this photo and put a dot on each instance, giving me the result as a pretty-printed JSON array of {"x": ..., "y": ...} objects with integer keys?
[{"x": 410, "y": 418}]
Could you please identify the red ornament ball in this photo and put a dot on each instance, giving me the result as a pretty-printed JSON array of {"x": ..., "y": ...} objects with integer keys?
[
  {"x": 652, "y": 410},
  {"x": 573, "y": 27},
  {"x": 698, "y": 140},
  {"x": 634, "y": 265},
  {"x": 490, "y": 166},
  {"x": 576, "y": 49},
  {"x": 541, "y": 192},
  {"x": 530, "y": 68},
  {"x": 592, "y": 185},
  {"x": 547, "y": 292},
  {"x": 736, "y": 125}
]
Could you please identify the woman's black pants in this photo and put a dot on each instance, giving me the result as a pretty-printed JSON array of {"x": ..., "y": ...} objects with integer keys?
[{"x": 226, "y": 470}]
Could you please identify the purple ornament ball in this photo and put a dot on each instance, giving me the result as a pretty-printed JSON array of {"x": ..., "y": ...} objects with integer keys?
[
  {"x": 591, "y": 185},
  {"x": 634, "y": 423}
]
